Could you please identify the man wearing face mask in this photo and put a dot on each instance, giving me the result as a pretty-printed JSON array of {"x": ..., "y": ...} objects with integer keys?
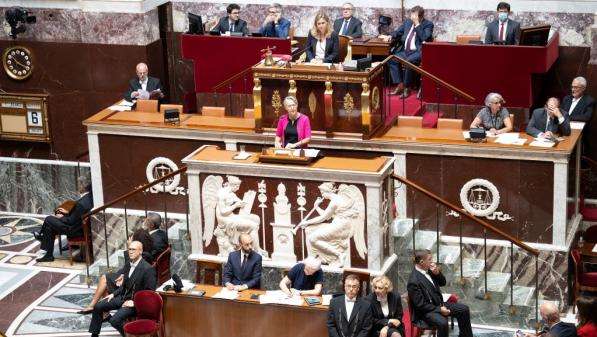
[
  {"x": 243, "y": 269},
  {"x": 503, "y": 30},
  {"x": 548, "y": 121}
]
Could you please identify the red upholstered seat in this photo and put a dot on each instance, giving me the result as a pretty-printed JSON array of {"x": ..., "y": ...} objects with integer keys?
[
  {"x": 141, "y": 327},
  {"x": 588, "y": 279},
  {"x": 148, "y": 305}
]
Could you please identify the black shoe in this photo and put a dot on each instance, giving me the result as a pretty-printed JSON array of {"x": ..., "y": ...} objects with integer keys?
[
  {"x": 38, "y": 236},
  {"x": 46, "y": 258},
  {"x": 85, "y": 311}
]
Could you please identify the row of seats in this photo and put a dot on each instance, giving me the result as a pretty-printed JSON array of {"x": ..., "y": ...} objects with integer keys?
[{"x": 151, "y": 105}]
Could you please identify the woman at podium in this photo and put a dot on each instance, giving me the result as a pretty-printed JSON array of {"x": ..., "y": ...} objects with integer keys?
[
  {"x": 493, "y": 116},
  {"x": 323, "y": 44},
  {"x": 294, "y": 128}
]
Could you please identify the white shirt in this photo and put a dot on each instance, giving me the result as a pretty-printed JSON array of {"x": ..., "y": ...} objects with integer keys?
[
  {"x": 573, "y": 104},
  {"x": 133, "y": 266},
  {"x": 144, "y": 84},
  {"x": 242, "y": 257},
  {"x": 505, "y": 29},
  {"x": 384, "y": 306},
  {"x": 320, "y": 49},
  {"x": 425, "y": 273},
  {"x": 349, "y": 305},
  {"x": 413, "y": 45},
  {"x": 345, "y": 23},
  {"x": 153, "y": 231}
]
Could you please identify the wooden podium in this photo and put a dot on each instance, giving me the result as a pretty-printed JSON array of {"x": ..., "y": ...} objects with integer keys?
[{"x": 343, "y": 103}]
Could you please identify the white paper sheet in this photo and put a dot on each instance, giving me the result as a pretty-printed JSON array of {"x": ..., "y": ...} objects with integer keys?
[
  {"x": 577, "y": 125},
  {"x": 312, "y": 153},
  {"x": 279, "y": 297},
  {"x": 540, "y": 143},
  {"x": 120, "y": 108},
  {"x": 510, "y": 138},
  {"x": 466, "y": 134},
  {"x": 325, "y": 299},
  {"x": 242, "y": 156},
  {"x": 226, "y": 294},
  {"x": 186, "y": 285}
]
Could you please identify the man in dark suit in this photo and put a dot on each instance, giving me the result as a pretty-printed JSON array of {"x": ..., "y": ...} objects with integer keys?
[
  {"x": 426, "y": 298},
  {"x": 578, "y": 105},
  {"x": 138, "y": 275},
  {"x": 159, "y": 237},
  {"x": 65, "y": 222},
  {"x": 231, "y": 22},
  {"x": 556, "y": 328},
  {"x": 274, "y": 24},
  {"x": 243, "y": 269},
  {"x": 548, "y": 121},
  {"x": 348, "y": 25},
  {"x": 349, "y": 315},
  {"x": 143, "y": 83},
  {"x": 503, "y": 30},
  {"x": 411, "y": 35}
]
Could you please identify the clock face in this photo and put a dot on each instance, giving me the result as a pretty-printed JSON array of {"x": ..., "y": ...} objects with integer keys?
[{"x": 18, "y": 62}]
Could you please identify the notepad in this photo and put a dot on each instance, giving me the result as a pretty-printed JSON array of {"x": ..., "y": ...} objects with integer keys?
[
  {"x": 226, "y": 294},
  {"x": 539, "y": 143}
]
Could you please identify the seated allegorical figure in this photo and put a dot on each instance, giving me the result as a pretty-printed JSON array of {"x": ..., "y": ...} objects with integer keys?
[
  {"x": 243, "y": 268},
  {"x": 274, "y": 24},
  {"x": 294, "y": 128},
  {"x": 549, "y": 121},
  {"x": 323, "y": 44},
  {"x": 493, "y": 117},
  {"x": 144, "y": 86},
  {"x": 386, "y": 307},
  {"x": 304, "y": 278}
]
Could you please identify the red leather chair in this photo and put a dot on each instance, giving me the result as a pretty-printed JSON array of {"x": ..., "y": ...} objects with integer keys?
[
  {"x": 81, "y": 242},
  {"x": 582, "y": 281},
  {"x": 162, "y": 266},
  {"x": 148, "y": 305}
]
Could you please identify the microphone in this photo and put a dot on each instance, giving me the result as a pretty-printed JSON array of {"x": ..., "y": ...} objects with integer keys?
[{"x": 177, "y": 283}]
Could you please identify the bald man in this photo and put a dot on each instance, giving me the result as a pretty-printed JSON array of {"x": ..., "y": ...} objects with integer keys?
[
  {"x": 551, "y": 317},
  {"x": 142, "y": 83},
  {"x": 243, "y": 269},
  {"x": 138, "y": 275},
  {"x": 550, "y": 121}
]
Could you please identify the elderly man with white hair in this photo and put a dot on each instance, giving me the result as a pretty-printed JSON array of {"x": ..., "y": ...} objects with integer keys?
[
  {"x": 550, "y": 316},
  {"x": 305, "y": 278},
  {"x": 143, "y": 86},
  {"x": 579, "y": 105}
]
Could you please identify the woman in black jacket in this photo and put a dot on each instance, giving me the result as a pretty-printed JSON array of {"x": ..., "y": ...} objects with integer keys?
[
  {"x": 386, "y": 307},
  {"x": 323, "y": 44}
]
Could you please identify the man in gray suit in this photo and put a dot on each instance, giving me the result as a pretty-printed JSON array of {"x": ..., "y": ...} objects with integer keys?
[
  {"x": 548, "y": 121},
  {"x": 503, "y": 30},
  {"x": 348, "y": 25}
]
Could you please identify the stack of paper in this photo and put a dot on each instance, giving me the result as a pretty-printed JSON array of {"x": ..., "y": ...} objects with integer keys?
[
  {"x": 279, "y": 297},
  {"x": 226, "y": 294},
  {"x": 510, "y": 138},
  {"x": 186, "y": 285},
  {"x": 325, "y": 299},
  {"x": 123, "y": 105}
]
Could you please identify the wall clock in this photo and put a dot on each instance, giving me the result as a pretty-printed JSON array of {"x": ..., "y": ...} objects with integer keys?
[{"x": 18, "y": 62}]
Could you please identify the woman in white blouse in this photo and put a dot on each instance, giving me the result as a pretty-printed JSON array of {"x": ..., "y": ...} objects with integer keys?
[
  {"x": 386, "y": 307},
  {"x": 323, "y": 45}
]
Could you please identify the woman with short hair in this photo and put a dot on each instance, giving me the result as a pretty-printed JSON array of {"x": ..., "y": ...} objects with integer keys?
[
  {"x": 386, "y": 307},
  {"x": 294, "y": 128},
  {"x": 493, "y": 117}
]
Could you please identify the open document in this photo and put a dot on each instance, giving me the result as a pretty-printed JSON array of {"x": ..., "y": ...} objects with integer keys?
[
  {"x": 510, "y": 138},
  {"x": 279, "y": 297},
  {"x": 226, "y": 294}
]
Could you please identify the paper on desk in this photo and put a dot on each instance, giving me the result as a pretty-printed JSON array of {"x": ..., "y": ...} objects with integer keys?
[
  {"x": 594, "y": 249},
  {"x": 326, "y": 299},
  {"x": 577, "y": 125},
  {"x": 311, "y": 153},
  {"x": 542, "y": 143},
  {"x": 120, "y": 108},
  {"x": 242, "y": 155},
  {"x": 466, "y": 134},
  {"x": 226, "y": 294},
  {"x": 186, "y": 285},
  {"x": 279, "y": 297},
  {"x": 124, "y": 102},
  {"x": 510, "y": 138}
]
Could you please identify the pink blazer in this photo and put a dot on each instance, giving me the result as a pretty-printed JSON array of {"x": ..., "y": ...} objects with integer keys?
[{"x": 303, "y": 127}]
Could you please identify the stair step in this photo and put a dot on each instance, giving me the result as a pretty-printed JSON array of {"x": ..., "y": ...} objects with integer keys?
[
  {"x": 523, "y": 297},
  {"x": 402, "y": 227},
  {"x": 423, "y": 239},
  {"x": 471, "y": 268},
  {"x": 448, "y": 255}
]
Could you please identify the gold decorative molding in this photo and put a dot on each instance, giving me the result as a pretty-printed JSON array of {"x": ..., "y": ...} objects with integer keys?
[
  {"x": 258, "y": 114},
  {"x": 348, "y": 105},
  {"x": 292, "y": 90},
  {"x": 276, "y": 102},
  {"x": 375, "y": 101},
  {"x": 312, "y": 104},
  {"x": 365, "y": 109},
  {"x": 328, "y": 99}
]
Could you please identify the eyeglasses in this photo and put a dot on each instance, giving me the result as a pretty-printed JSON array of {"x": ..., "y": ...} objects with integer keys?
[
  {"x": 273, "y": 12},
  {"x": 576, "y": 86},
  {"x": 346, "y": 9},
  {"x": 235, "y": 12},
  {"x": 354, "y": 286}
]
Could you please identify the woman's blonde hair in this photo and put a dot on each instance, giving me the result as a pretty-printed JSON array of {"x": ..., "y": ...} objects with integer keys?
[
  {"x": 385, "y": 282},
  {"x": 321, "y": 15}
]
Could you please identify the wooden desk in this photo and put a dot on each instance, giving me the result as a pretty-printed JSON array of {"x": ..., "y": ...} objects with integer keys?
[
  {"x": 187, "y": 315},
  {"x": 370, "y": 45},
  {"x": 587, "y": 250}
]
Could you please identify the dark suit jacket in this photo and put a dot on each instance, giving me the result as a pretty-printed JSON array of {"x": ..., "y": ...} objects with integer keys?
[
  {"x": 332, "y": 48},
  {"x": 424, "y": 296},
  {"x": 251, "y": 275},
  {"x": 395, "y": 312},
  {"x": 359, "y": 323},
  {"x": 512, "y": 34},
  {"x": 134, "y": 85},
  {"x": 562, "y": 329},
  {"x": 354, "y": 27},
  {"x": 224, "y": 26},
  {"x": 143, "y": 278},
  {"x": 74, "y": 218},
  {"x": 583, "y": 111},
  {"x": 159, "y": 240},
  {"x": 423, "y": 33},
  {"x": 538, "y": 121}
]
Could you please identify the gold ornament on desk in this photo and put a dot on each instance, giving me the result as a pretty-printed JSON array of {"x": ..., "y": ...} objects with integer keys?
[
  {"x": 348, "y": 105},
  {"x": 269, "y": 58},
  {"x": 276, "y": 102}
]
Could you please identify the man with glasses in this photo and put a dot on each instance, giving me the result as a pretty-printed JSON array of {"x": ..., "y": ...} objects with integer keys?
[
  {"x": 231, "y": 23},
  {"x": 579, "y": 105},
  {"x": 274, "y": 24},
  {"x": 348, "y": 25},
  {"x": 503, "y": 30},
  {"x": 348, "y": 314}
]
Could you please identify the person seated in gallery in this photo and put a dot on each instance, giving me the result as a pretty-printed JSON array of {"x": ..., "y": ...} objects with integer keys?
[
  {"x": 578, "y": 104},
  {"x": 348, "y": 25},
  {"x": 386, "y": 308},
  {"x": 427, "y": 301},
  {"x": 294, "y": 128},
  {"x": 411, "y": 35},
  {"x": 553, "y": 326},
  {"x": 549, "y": 121},
  {"x": 274, "y": 24},
  {"x": 65, "y": 222},
  {"x": 159, "y": 237},
  {"x": 586, "y": 316},
  {"x": 493, "y": 117},
  {"x": 345, "y": 309},
  {"x": 243, "y": 268},
  {"x": 503, "y": 30},
  {"x": 323, "y": 44},
  {"x": 304, "y": 278},
  {"x": 143, "y": 86},
  {"x": 231, "y": 23},
  {"x": 138, "y": 275}
]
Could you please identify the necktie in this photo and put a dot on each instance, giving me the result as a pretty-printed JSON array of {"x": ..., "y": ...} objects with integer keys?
[
  {"x": 410, "y": 37},
  {"x": 344, "y": 30},
  {"x": 242, "y": 265},
  {"x": 232, "y": 27},
  {"x": 502, "y": 31}
]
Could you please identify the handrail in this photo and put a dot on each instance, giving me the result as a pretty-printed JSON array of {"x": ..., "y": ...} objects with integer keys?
[
  {"x": 81, "y": 155},
  {"x": 467, "y": 215},
  {"x": 432, "y": 77},
  {"x": 231, "y": 79},
  {"x": 135, "y": 191},
  {"x": 591, "y": 162}
]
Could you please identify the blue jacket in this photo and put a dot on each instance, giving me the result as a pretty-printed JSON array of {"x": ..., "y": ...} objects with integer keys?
[
  {"x": 250, "y": 275},
  {"x": 423, "y": 33},
  {"x": 280, "y": 30}
]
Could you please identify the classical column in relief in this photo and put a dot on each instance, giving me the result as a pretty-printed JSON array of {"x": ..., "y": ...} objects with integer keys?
[{"x": 282, "y": 228}]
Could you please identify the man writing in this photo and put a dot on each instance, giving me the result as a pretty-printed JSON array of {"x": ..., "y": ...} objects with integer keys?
[
  {"x": 243, "y": 269},
  {"x": 305, "y": 278}
]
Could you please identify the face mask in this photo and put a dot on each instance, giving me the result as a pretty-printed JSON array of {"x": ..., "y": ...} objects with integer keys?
[{"x": 503, "y": 16}]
